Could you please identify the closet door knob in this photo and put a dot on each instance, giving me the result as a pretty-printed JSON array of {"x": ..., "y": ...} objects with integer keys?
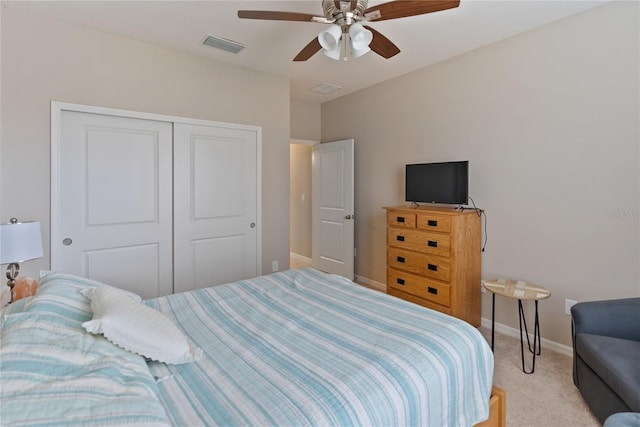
[
  {"x": 252, "y": 225},
  {"x": 67, "y": 241}
]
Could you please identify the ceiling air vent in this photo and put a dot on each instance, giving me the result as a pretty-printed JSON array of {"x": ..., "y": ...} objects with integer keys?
[
  {"x": 325, "y": 88},
  {"x": 224, "y": 44}
]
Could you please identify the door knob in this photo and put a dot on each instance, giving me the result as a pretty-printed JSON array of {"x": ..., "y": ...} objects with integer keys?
[
  {"x": 252, "y": 225},
  {"x": 67, "y": 241},
  {"x": 350, "y": 217}
]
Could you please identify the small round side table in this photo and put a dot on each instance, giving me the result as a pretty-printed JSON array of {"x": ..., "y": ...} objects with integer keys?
[{"x": 517, "y": 289}]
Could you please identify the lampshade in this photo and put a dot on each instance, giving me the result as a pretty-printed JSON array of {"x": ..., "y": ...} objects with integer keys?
[
  {"x": 335, "y": 53},
  {"x": 20, "y": 241},
  {"x": 329, "y": 39},
  {"x": 360, "y": 40},
  {"x": 356, "y": 53},
  {"x": 333, "y": 41},
  {"x": 360, "y": 37}
]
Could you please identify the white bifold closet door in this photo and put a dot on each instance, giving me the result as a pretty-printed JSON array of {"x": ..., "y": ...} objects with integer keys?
[{"x": 154, "y": 206}]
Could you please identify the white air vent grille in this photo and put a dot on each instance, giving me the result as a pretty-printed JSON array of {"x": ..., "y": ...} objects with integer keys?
[
  {"x": 224, "y": 44},
  {"x": 325, "y": 88}
]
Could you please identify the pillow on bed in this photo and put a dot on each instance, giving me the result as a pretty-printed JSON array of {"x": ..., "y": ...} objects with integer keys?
[
  {"x": 61, "y": 294},
  {"x": 137, "y": 327}
]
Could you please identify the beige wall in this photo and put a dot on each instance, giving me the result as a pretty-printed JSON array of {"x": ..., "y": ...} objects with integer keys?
[
  {"x": 305, "y": 120},
  {"x": 305, "y": 125},
  {"x": 549, "y": 121},
  {"x": 45, "y": 60},
  {"x": 1, "y": 62},
  {"x": 300, "y": 199}
]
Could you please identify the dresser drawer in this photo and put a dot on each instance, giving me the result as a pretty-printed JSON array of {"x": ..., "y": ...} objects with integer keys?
[
  {"x": 430, "y": 290},
  {"x": 427, "y": 265},
  {"x": 422, "y": 241},
  {"x": 416, "y": 300},
  {"x": 431, "y": 222},
  {"x": 401, "y": 219}
]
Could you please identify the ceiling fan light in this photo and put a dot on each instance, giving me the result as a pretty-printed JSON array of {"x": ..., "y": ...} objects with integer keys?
[
  {"x": 335, "y": 53},
  {"x": 360, "y": 37},
  {"x": 329, "y": 39},
  {"x": 356, "y": 53}
]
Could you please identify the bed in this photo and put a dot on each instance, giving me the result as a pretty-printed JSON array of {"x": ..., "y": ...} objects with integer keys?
[{"x": 299, "y": 347}]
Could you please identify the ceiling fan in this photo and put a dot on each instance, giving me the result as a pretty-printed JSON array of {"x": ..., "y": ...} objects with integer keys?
[{"x": 347, "y": 31}]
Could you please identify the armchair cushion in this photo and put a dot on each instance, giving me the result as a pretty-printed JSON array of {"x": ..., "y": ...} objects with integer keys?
[
  {"x": 606, "y": 355},
  {"x": 615, "y": 361},
  {"x": 623, "y": 419}
]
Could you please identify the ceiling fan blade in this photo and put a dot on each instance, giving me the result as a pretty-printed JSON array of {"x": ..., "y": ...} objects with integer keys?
[
  {"x": 382, "y": 45},
  {"x": 276, "y": 16},
  {"x": 404, "y": 8},
  {"x": 309, "y": 50}
]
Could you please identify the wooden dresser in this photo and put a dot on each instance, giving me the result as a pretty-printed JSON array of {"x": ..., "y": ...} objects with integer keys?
[{"x": 433, "y": 259}]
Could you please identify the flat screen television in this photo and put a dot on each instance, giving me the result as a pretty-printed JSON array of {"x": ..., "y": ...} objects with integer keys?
[{"x": 445, "y": 183}]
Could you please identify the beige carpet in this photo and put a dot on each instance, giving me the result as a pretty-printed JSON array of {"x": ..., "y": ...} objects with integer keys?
[{"x": 547, "y": 398}]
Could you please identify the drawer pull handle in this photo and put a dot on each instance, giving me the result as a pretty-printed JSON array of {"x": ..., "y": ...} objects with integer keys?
[
  {"x": 432, "y": 267},
  {"x": 400, "y": 259},
  {"x": 400, "y": 219},
  {"x": 400, "y": 281},
  {"x": 400, "y": 238},
  {"x": 432, "y": 243},
  {"x": 432, "y": 223},
  {"x": 432, "y": 290}
]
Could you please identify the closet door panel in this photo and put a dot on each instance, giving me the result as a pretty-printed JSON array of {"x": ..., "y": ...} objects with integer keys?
[
  {"x": 122, "y": 163},
  {"x": 216, "y": 260},
  {"x": 215, "y": 205},
  {"x": 112, "y": 220},
  {"x": 100, "y": 263},
  {"x": 217, "y": 179}
]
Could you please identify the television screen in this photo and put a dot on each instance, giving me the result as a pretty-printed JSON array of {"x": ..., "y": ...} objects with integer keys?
[{"x": 446, "y": 183}]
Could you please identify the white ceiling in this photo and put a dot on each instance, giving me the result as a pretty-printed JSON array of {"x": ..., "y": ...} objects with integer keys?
[{"x": 271, "y": 45}]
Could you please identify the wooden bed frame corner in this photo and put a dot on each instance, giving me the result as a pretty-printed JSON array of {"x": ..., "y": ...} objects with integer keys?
[{"x": 497, "y": 409}]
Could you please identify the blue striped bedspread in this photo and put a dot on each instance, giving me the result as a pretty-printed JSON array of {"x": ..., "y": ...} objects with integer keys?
[
  {"x": 54, "y": 373},
  {"x": 302, "y": 347}
]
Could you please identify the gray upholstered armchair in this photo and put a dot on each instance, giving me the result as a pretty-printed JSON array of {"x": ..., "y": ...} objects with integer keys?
[{"x": 606, "y": 355}]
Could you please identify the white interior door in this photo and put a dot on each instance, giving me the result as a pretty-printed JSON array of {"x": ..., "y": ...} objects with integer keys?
[
  {"x": 215, "y": 205},
  {"x": 333, "y": 210},
  {"x": 112, "y": 201}
]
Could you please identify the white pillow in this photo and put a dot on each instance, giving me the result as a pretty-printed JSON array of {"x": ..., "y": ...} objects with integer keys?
[{"x": 137, "y": 327}]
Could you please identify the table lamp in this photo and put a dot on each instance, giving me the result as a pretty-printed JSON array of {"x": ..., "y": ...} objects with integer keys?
[{"x": 19, "y": 241}]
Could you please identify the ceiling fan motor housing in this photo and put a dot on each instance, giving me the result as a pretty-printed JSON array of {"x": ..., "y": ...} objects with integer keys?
[{"x": 341, "y": 11}]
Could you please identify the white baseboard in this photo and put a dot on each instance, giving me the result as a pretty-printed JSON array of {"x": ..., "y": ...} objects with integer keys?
[
  {"x": 300, "y": 258},
  {"x": 382, "y": 287},
  {"x": 515, "y": 333},
  {"x": 500, "y": 328}
]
